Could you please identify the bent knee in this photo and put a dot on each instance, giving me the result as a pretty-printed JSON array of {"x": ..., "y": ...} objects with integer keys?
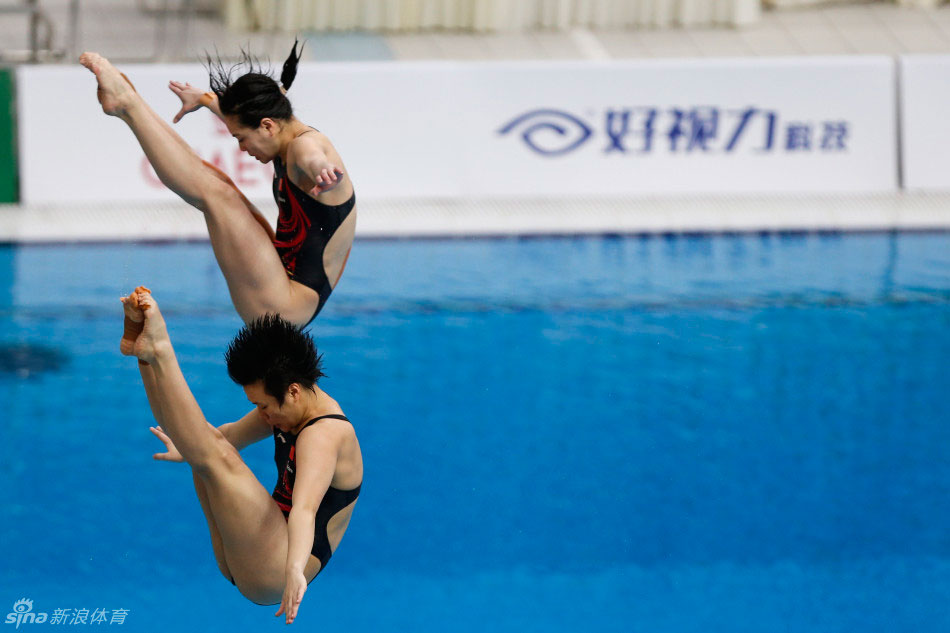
[
  {"x": 215, "y": 186},
  {"x": 216, "y": 454}
]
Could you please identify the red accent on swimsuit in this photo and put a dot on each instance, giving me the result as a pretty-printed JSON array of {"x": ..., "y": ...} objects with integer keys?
[{"x": 295, "y": 225}]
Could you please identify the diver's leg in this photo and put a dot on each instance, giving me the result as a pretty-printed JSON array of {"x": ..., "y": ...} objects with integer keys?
[
  {"x": 176, "y": 165},
  {"x": 217, "y": 544},
  {"x": 338, "y": 248},
  {"x": 257, "y": 281},
  {"x": 256, "y": 277},
  {"x": 134, "y": 324},
  {"x": 252, "y": 530}
]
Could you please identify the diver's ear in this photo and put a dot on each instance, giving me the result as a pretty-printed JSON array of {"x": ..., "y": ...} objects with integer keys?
[
  {"x": 270, "y": 126},
  {"x": 293, "y": 391}
]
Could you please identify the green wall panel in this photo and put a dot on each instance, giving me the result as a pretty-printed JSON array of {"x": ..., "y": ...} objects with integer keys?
[{"x": 8, "y": 153}]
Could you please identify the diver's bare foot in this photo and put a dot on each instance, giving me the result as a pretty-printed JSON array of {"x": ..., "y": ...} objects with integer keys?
[
  {"x": 153, "y": 342},
  {"x": 115, "y": 92},
  {"x": 134, "y": 320}
]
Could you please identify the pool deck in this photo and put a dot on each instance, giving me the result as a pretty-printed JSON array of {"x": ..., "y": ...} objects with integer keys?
[{"x": 486, "y": 218}]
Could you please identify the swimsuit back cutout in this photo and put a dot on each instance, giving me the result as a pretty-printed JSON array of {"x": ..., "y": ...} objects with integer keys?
[
  {"x": 333, "y": 501},
  {"x": 304, "y": 227}
]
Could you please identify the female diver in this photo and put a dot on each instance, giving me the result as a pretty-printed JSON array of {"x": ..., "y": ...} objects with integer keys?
[
  {"x": 293, "y": 272},
  {"x": 271, "y": 546}
]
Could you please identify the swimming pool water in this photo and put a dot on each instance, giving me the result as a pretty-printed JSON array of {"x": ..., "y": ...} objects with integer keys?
[{"x": 726, "y": 433}]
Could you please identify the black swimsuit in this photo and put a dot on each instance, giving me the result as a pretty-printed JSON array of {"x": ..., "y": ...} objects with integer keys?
[
  {"x": 334, "y": 500},
  {"x": 304, "y": 227}
]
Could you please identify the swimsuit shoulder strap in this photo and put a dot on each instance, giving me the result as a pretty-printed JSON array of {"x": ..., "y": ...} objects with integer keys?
[
  {"x": 278, "y": 163},
  {"x": 333, "y": 416}
]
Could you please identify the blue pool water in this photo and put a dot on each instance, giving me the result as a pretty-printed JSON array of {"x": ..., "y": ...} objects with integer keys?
[{"x": 683, "y": 434}]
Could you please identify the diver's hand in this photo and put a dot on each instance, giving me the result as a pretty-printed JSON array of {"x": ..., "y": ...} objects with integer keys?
[
  {"x": 189, "y": 95},
  {"x": 293, "y": 595},
  {"x": 326, "y": 179},
  {"x": 171, "y": 453}
]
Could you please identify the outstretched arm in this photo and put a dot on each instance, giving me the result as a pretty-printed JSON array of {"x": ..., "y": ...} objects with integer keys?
[
  {"x": 310, "y": 168},
  {"x": 316, "y": 462},
  {"x": 193, "y": 98}
]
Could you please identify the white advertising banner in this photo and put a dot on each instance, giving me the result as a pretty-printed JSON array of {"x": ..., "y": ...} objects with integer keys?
[
  {"x": 470, "y": 130},
  {"x": 925, "y": 127}
]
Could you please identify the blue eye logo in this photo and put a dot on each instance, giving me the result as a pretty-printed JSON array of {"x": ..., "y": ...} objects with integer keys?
[{"x": 549, "y": 132}]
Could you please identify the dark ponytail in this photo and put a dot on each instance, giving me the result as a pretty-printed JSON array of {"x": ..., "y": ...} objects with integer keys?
[
  {"x": 289, "y": 71},
  {"x": 254, "y": 95}
]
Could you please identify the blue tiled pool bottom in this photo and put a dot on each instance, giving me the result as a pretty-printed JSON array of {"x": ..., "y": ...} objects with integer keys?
[{"x": 621, "y": 434}]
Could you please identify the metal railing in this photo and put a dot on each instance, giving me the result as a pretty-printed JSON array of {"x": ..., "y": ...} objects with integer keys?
[
  {"x": 167, "y": 23},
  {"x": 40, "y": 33}
]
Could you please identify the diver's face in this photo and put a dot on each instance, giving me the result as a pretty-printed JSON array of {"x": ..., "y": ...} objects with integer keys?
[
  {"x": 260, "y": 142},
  {"x": 279, "y": 416}
]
